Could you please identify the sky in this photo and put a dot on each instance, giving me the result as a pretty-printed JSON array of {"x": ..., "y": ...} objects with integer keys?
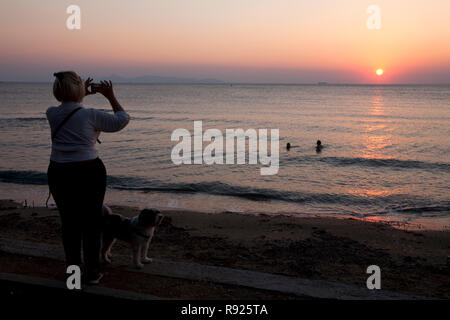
[{"x": 267, "y": 41}]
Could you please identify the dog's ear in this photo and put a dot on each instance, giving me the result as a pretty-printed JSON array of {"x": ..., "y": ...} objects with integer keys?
[{"x": 150, "y": 211}]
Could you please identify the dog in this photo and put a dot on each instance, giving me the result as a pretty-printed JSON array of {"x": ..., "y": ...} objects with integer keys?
[{"x": 138, "y": 231}]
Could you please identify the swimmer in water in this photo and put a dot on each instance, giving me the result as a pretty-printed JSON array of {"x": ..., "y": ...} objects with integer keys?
[
  {"x": 319, "y": 146},
  {"x": 288, "y": 146}
]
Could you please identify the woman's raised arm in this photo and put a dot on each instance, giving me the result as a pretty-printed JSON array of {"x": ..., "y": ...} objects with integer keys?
[{"x": 107, "y": 90}]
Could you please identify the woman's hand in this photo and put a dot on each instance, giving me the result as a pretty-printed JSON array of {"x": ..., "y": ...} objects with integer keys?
[
  {"x": 106, "y": 89},
  {"x": 87, "y": 84}
]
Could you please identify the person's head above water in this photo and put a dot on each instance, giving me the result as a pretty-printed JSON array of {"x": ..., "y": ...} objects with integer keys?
[
  {"x": 319, "y": 146},
  {"x": 288, "y": 146}
]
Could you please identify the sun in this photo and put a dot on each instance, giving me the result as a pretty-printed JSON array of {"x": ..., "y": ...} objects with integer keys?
[{"x": 380, "y": 72}]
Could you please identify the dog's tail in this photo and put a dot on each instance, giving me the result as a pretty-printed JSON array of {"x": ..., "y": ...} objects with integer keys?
[{"x": 109, "y": 218}]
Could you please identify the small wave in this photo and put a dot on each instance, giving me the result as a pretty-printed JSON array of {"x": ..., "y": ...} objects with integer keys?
[
  {"x": 24, "y": 119},
  {"x": 142, "y": 118},
  {"x": 213, "y": 188},
  {"x": 407, "y": 209},
  {"x": 400, "y": 203},
  {"x": 187, "y": 120},
  {"x": 23, "y": 177},
  {"x": 370, "y": 162}
]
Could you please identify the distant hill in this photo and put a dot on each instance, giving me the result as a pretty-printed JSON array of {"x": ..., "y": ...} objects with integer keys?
[{"x": 159, "y": 79}]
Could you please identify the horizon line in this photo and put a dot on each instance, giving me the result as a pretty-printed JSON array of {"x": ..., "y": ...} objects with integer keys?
[{"x": 320, "y": 83}]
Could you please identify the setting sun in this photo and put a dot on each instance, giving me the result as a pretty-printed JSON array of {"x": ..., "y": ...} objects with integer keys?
[{"x": 380, "y": 72}]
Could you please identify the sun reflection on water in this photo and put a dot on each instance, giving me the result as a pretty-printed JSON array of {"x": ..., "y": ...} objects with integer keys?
[{"x": 376, "y": 137}]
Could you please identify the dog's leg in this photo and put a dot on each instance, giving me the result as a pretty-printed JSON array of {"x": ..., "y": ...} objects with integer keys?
[
  {"x": 106, "y": 249},
  {"x": 137, "y": 249},
  {"x": 109, "y": 255},
  {"x": 146, "y": 259}
]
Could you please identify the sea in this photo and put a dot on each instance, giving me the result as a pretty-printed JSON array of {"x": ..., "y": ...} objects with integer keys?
[{"x": 385, "y": 156}]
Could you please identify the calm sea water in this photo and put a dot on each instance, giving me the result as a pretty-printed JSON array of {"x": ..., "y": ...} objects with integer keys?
[{"x": 386, "y": 152}]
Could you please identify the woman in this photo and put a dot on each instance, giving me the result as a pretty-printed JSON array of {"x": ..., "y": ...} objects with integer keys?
[{"x": 76, "y": 175}]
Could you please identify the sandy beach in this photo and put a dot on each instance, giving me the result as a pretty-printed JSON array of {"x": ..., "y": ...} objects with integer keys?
[{"x": 338, "y": 250}]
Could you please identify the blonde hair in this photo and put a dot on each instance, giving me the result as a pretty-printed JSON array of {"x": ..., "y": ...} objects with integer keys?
[{"x": 68, "y": 87}]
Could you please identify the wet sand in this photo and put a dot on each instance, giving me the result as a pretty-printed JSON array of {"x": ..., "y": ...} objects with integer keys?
[{"x": 340, "y": 250}]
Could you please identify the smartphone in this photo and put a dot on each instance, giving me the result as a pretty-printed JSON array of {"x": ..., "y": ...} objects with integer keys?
[{"x": 95, "y": 87}]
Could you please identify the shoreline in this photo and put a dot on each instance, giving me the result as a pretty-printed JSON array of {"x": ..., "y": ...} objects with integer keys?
[
  {"x": 320, "y": 248},
  {"x": 35, "y": 195}
]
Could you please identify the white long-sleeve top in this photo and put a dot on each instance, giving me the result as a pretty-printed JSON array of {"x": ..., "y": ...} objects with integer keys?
[{"x": 76, "y": 139}]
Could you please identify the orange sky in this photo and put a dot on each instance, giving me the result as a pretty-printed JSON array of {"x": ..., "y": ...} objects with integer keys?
[{"x": 245, "y": 40}]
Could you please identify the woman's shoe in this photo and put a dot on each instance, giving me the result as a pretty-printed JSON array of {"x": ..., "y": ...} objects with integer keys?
[{"x": 94, "y": 279}]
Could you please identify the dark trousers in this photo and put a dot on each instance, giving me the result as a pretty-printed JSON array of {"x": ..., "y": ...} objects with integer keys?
[{"x": 78, "y": 189}]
